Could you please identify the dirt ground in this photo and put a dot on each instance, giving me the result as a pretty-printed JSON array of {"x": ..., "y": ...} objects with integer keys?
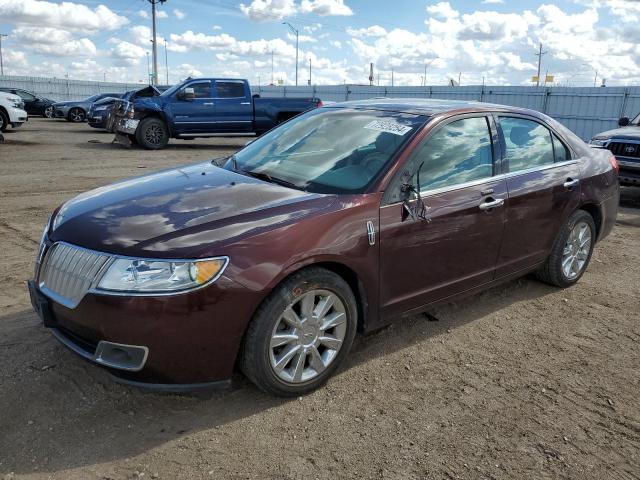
[{"x": 522, "y": 381}]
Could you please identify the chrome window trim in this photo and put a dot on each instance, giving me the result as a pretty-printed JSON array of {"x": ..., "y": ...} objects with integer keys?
[
  {"x": 127, "y": 293},
  {"x": 480, "y": 181}
]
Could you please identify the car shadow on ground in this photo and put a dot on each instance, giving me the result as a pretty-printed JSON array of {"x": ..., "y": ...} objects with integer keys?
[{"x": 54, "y": 402}]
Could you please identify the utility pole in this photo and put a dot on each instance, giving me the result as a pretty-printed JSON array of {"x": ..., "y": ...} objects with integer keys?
[
  {"x": 539, "y": 55},
  {"x": 166, "y": 61},
  {"x": 295, "y": 31},
  {"x": 154, "y": 79},
  {"x": 272, "y": 67},
  {"x": 371, "y": 74},
  {"x": 392, "y": 77},
  {"x": 595, "y": 79},
  {"x": 309, "y": 71},
  {"x": 1, "y": 64},
  {"x": 148, "y": 69}
]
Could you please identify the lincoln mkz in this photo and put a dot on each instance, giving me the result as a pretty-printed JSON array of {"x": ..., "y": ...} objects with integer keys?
[{"x": 337, "y": 222}]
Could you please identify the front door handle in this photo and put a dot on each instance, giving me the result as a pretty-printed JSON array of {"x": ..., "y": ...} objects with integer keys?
[
  {"x": 491, "y": 203},
  {"x": 208, "y": 103},
  {"x": 570, "y": 183}
]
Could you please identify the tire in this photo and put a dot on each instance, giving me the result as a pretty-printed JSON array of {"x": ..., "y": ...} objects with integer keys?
[
  {"x": 262, "y": 350},
  {"x": 152, "y": 134},
  {"x": 76, "y": 115},
  {"x": 48, "y": 112},
  {"x": 566, "y": 248},
  {"x": 4, "y": 121}
]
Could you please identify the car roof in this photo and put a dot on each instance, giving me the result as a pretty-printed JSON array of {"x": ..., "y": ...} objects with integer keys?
[{"x": 428, "y": 106}]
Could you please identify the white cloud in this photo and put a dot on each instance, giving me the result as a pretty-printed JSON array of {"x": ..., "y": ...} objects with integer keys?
[
  {"x": 127, "y": 53},
  {"x": 301, "y": 38},
  {"x": 53, "y": 42},
  {"x": 266, "y": 10},
  {"x": 488, "y": 2},
  {"x": 161, "y": 14},
  {"x": 325, "y": 7},
  {"x": 373, "y": 31},
  {"x": 179, "y": 14},
  {"x": 216, "y": 27},
  {"x": 140, "y": 35},
  {"x": 66, "y": 15},
  {"x": 143, "y": 14},
  {"x": 336, "y": 44}
]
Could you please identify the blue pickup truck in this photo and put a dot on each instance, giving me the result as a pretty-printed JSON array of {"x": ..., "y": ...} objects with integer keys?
[{"x": 203, "y": 107}]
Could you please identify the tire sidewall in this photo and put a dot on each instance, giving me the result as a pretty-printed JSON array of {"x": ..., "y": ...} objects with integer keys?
[
  {"x": 4, "y": 119},
  {"x": 574, "y": 219},
  {"x": 265, "y": 320},
  {"x": 144, "y": 125},
  {"x": 80, "y": 111}
]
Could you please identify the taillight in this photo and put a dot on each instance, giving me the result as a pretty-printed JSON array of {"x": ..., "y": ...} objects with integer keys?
[
  {"x": 320, "y": 103},
  {"x": 614, "y": 163}
]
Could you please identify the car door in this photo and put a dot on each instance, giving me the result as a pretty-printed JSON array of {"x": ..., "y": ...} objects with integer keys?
[
  {"x": 195, "y": 115},
  {"x": 455, "y": 247},
  {"x": 234, "y": 108},
  {"x": 543, "y": 181}
]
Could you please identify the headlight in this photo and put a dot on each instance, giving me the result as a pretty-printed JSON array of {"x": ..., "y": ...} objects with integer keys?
[
  {"x": 18, "y": 104},
  {"x": 160, "y": 276},
  {"x": 101, "y": 107},
  {"x": 599, "y": 142}
]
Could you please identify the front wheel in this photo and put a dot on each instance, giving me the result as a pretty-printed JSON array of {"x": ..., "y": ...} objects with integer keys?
[
  {"x": 571, "y": 251},
  {"x": 48, "y": 112},
  {"x": 152, "y": 134},
  {"x": 300, "y": 334}
]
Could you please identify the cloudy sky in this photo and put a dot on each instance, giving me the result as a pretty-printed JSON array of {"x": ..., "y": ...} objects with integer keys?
[{"x": 494, "y": 39}]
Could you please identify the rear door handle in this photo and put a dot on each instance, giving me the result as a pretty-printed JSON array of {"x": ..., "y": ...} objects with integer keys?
[
  {"x": 570, "y": 183},
  {"x": 488, "y": 205}
]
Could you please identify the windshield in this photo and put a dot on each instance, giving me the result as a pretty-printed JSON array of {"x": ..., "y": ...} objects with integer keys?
[
  {"x": 328, "y": 150},
  {"x": 171, "y": 90},
  {"x": 93, "y": 98}
]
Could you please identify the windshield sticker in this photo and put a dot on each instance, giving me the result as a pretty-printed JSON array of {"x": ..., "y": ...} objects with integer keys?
[{"x": 388, "y": 126}]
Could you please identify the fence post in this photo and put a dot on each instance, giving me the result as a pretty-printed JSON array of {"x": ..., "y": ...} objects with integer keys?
[
  {"x": 346, "y": 93},
  {"x": 624, "y": 101},
  {"x": 482, "y": 93},
  {"x": 547, "y": 92}
]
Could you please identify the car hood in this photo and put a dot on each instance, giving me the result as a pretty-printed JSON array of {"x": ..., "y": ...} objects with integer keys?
[
  {"x": 187, "y": 212},
  {"x": 624, "y": 132},
  {"x": 11, "y": 97},
  {"x": 147, "y": 103}
]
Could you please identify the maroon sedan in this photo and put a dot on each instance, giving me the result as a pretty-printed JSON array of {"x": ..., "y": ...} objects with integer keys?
[{"x": 336, "y": 222}]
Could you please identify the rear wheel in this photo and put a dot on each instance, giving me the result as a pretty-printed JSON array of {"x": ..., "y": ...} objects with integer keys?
[
  {"x": 76, "y": 115},
  {"x": 301, "y": 333},
  {"x": 571, "y": 251},
  {"x": 152, "y": 134},
  {"x": 4, "y": 121}
]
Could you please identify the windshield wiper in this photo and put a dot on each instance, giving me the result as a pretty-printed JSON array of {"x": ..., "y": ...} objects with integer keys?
[{"x": 269, "y": 178}]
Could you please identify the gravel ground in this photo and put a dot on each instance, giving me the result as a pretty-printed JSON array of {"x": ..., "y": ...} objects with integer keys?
[{"x": 522, "y": 381}]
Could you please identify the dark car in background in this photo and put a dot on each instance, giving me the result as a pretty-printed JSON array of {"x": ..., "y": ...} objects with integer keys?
[
  {"x": 33, "y": 104},
  {"x": 76, "y": 111},
  {"x": 203, "y": 107},
  {"x": 342, "y": 219},
  {"x": 98, "y": 113},
  {"x": 624, "y": 143}
]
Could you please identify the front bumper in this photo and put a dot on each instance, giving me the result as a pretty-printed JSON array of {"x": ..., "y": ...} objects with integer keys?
[
  {"x": 188, "y": 340},
  {"x": 127, "y": 125},
  {"x": 629, "y": 171},
  {"x": 17, "y": 116},
  {"x": 97, "y": 119},
  {"x": 60, "y": 112}
]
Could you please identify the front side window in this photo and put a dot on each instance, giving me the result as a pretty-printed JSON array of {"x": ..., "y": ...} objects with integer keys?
[
  {"x": 458, "y": 152},
  {"x": 201, "y": 89},
  {"x": 328, "y": 150},
  {"x": 230, "y": 90},
  {"x": 528, "y": 143}
]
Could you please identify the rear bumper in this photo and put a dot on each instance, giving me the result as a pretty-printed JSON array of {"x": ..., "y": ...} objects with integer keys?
[{"x": 609, "y": 210}]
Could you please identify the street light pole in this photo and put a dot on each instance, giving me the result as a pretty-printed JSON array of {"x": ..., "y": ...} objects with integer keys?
[
  {"x": 148, "y": 69},
  {"x": 154, "y": 79},
  {"x": 295, "y": 31},
  {"x": 1, "y": 64},
  {"x": 309, "y": 71},
  {"x": 166, "y": 61}
]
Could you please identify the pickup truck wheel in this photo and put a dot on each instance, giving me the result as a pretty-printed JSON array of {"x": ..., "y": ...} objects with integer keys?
[
  {"x": 4, "y": 121},
  {"x": 76, "y": 115},
  {"x": 300, "y": 334},
  {"x": 152, "y": 134}
]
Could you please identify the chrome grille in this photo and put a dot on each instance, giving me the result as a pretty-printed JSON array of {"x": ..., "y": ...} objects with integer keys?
[
  {"x": 68, "y": 272},
  {"x": 625, "y": 149}
]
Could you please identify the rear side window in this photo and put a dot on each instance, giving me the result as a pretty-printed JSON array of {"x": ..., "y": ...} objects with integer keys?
[
  {"x": 562, "y": 153},
  {"x": 230, "y": 89},
  {"x": 528, "y": 143}
]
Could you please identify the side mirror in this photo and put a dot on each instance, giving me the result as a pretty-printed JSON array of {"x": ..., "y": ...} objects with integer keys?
[
  {"x": 623, "y": 122},
  {"x": 187, "y": 94}
]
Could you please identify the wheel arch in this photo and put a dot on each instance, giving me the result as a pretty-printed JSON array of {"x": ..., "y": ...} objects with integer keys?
[{"x": 595, "y": 211}]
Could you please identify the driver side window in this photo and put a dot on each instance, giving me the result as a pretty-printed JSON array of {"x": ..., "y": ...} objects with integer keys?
[
  {"x": 201, "y": 89},
  {"x": 460, "y": 151}
]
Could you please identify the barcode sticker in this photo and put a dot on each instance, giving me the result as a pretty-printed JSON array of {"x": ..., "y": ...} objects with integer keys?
[{"x": 388, "y": 126}]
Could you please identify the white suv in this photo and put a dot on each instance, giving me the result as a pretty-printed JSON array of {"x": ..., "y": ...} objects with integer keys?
[{"x": 11, "y": 111}]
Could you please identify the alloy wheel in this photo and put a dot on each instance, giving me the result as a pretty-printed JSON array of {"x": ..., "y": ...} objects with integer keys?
[
  {"x": 576, "y": 250},
  {"x": 154, "y": 134},
  {"x": 308, "y": 336},
  {"x": 48, "y": 112},
  {"x": 76, "y": 115}
]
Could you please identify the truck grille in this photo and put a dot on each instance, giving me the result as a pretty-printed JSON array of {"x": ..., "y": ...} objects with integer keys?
[
  {"x": 621, "y": 149},
  {"x": 68, "y": 272}
]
